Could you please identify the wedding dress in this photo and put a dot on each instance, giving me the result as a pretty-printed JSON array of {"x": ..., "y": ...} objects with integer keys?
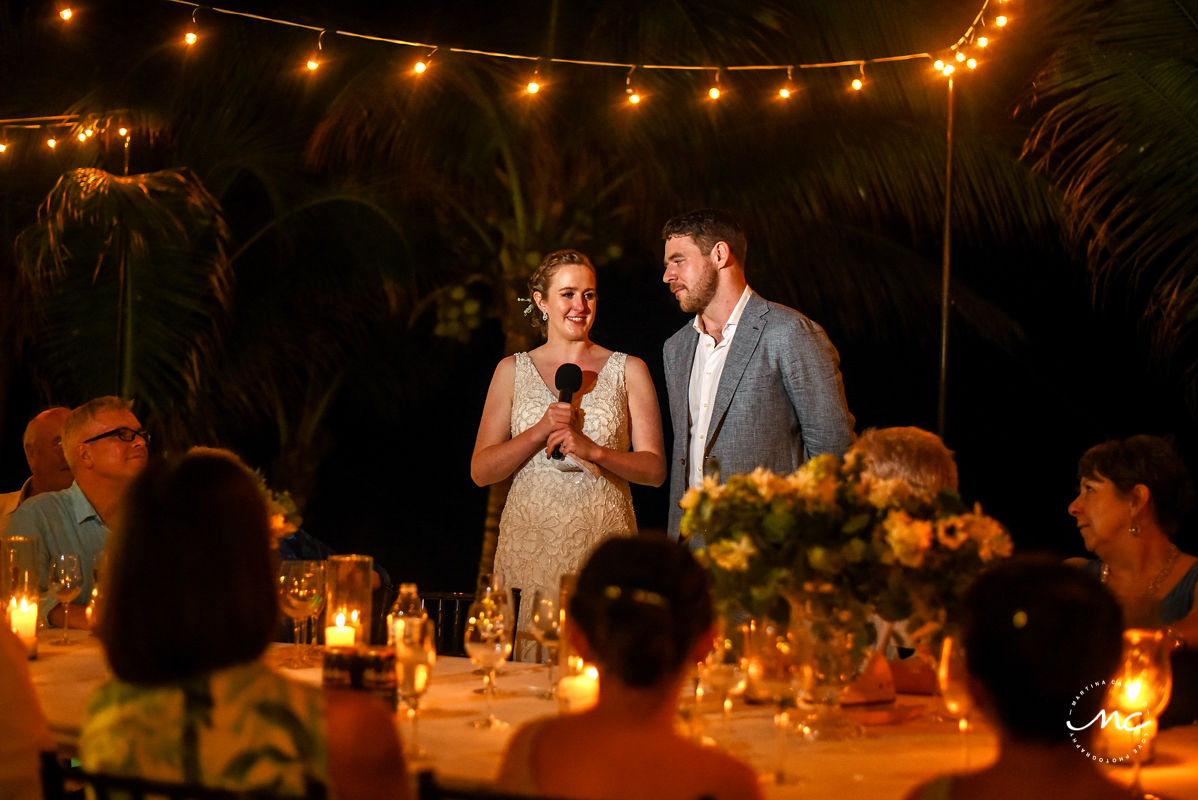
[{"x": 554, "y": 519}]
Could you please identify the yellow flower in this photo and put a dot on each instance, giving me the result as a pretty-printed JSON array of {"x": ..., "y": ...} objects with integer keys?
[
  {"x": 732, "y": 556},
  {"x": 884, "y": 492},
  {"x": 952, "y": 532},
  {"x": 690, "y": 499},
  {"x": 908, "y": 538},
  {"x": 816, "y": 481}
]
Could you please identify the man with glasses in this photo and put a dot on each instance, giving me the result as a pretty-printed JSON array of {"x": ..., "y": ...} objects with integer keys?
[{"x": 105, "y": 447}]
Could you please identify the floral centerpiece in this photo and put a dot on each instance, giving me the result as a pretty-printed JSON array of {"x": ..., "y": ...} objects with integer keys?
[{"x": 836, "y": 544}]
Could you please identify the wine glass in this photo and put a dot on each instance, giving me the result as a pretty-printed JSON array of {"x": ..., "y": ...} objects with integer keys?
[
  {"x": 546, "y": 627},
  {"x": 953, "y": 681},
  {"x": 301, "y": 594},
  {"x": 488, "y": 643},
  {"x": 722, "y": 672},
  {"x": 415, "y": 655},
  {"x": 777, "y": 665},
  {"x": 65, "y": 583}
]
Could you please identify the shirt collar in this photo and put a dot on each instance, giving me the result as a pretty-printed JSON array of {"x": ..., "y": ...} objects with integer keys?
[
  {"x": 733, "y": 318},
  {"x": 81, "y": 507}
]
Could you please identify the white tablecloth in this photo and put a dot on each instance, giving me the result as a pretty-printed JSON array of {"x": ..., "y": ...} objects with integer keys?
[{"x": 885, "y": 763}]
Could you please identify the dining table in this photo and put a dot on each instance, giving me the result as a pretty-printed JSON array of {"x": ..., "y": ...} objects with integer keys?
[{"x": 901, "y": 744}]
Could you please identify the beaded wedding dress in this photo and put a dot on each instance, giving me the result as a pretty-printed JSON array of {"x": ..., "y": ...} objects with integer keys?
[{"x": 554, "y": 519}]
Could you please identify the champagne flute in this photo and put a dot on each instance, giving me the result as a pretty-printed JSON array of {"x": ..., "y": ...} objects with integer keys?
[
  {"x": 301, "y": 594},
  {"x": 547, "y": 627},
  {"x": 488, "y": 644},
  {"x": 953, "y": 681},
  {"x": 722, "y": 672},
  {"x": 65, "y": 583},
  {"x": 415, "y": 655}
]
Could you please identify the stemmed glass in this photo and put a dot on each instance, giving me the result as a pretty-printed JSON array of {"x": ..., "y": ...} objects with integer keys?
[
  {"x": 302, "y": 595},
  {"x": 546, "y": 627},
  {"x": 488, "y": 643},
  {"x": 777, "y": 663},
  {"x": 953, "y": 681},
  {"x": 65, "y": 583},
  {"x": 415, "y": 655},
  {"x": 722, "y": 672}
]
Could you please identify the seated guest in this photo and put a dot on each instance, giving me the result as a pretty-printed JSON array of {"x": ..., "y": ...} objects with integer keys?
[
  {"x": 1036, "y": 633},
  {"x": 183, "y": 628},
  {"x": 49, "y": 471},
  {"x": 23, "y": 732},
  {"x": 916, "y": 457},
  {"x": 105, "y": 447},
  {"x": 921, "y": 461},
  {"x": 1134, "y": 494},
  {"x": 642, "y": 613}
]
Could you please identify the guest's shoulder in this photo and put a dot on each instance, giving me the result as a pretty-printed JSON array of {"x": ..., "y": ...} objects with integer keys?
[
  {"x": 723, "y": 775},
  {"x": 41, "y": 507}
]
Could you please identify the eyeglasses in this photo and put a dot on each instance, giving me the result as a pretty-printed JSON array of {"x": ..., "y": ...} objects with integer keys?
[{"x": 124, "y": 434}]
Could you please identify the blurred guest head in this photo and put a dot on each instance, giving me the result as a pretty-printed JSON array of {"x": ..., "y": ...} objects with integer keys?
[
  {"x": 44, "y": 452},
  {"x": 913, "y": 455},
  {"x": 104, "y": 442},
  {"x": 1037, "y": 633},
  {"x": 641, "y": 605},
  {"x": 1145, "y": 461},
  {"x": 191, "y": 580}
]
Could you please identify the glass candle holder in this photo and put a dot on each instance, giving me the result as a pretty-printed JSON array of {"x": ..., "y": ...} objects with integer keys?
[
  {"x": 348, "y": 581},
  {"x": 22, "y": 619},
  {"x": 18, "y": 567}
]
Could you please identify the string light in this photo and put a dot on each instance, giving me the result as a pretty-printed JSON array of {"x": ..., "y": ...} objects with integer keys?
[
  {"x": 65, "y": 13},
  {"x": 3, "y": 147},
  {"x": 192, "y": 36},
  {"x": 983, "y": 41},
  {"x": 634, "y": 97},
  {"x": 314, "y": 59},
  {"x": 859, "y": 83},
  {"x": 1000, "y": 20},
  {"x": 534, "y": 83},
  {"x": 422, "y": 65},
  {"x": 787, "y": 88},
  {"x": 972, "y": 63},
  {"x": 714, "y": 91},
  {"x": 82, "y": 136},
  {"x": 52, "y": 142},
  {"x": 123, "y": 131}
]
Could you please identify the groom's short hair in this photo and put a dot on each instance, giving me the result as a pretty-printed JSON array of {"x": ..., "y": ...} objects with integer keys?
[{"x": 708, "y": 226}]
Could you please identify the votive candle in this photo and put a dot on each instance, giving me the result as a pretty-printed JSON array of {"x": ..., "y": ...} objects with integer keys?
[
  {"x": 339, "y": 635},
  {"x": 22, "y": 617}
]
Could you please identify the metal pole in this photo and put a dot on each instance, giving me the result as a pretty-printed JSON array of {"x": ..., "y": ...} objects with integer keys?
[{"x": 942, "y": 408}]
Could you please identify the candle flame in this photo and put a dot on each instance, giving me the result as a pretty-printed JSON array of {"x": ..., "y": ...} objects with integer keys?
[{"x": 340, "y": 620}]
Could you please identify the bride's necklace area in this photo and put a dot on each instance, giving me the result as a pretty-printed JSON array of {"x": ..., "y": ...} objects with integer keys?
[{"x": 1170, "y": 559}]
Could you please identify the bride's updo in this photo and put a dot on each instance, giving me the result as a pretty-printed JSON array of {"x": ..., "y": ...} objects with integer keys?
[{"x": 641, "y": 604}]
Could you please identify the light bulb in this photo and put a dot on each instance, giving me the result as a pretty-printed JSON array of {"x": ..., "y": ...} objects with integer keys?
[
  {"x": 123, "y": 131},
  {"x": 949, "y": 69},
  {"x": 190, "y": 38},
  {"x": 983, "y": 41},
  {"x": 88, "y": 132},
  {"x": 972, "y": 63},
  {"x": 960, "y": 56},
  {"x": 65, "y": 14},
  {"x": 313, "y": 63},
  {"x": 533, "y": 87},
  {"x": 82, "y": 136},
  {"x": 714, "y": 93},
  {"x": 420, "y": 67},
  {"x": 938, "y": 64},
  {"x": 857, "y": 84},
  {"x": 634, "y": 98},
  {"x": 1000, "y": 21},
  {"x": 785, "y": 92},
  {"x": 3, "y": 147},
  {"x": 52, "y": 142}
]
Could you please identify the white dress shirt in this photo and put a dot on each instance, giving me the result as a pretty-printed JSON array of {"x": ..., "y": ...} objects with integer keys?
[{"x": 705, "y": 380}]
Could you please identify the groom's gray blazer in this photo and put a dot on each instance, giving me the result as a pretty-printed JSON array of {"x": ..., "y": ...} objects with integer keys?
[{"x": 779, "y": 402}]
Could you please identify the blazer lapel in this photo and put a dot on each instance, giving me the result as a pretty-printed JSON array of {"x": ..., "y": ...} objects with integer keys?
[
  {"x": 744, "y": 342},
  {"x": 682, "y": 361}
]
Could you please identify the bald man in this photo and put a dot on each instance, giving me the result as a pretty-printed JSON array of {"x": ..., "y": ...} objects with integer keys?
[{"x": 48, "y": 465}]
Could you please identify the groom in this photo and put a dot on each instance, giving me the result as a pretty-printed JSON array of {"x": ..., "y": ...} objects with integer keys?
[{"x": 751, "y": 383}]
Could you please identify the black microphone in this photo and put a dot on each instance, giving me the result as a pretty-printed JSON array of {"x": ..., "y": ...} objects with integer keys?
[{"x": 568, "y": 380}]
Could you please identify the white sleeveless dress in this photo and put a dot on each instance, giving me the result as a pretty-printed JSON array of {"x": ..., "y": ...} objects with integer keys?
[{"x": 552, "y": 519}]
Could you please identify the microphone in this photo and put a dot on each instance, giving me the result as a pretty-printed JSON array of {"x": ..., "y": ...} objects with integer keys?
[{"x": 568, "y": 380}]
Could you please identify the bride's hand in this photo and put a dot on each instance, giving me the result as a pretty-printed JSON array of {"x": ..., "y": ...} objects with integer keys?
[
  {"x": 572, "y": 441},
  {"x": 558, "y": 416}
]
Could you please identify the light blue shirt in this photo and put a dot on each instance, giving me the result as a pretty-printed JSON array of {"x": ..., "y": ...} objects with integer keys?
[{"x": 61, "y": 522}]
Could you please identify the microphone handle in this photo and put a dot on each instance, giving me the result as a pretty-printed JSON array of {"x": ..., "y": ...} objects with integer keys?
[{"x": 564, "y": 396}]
